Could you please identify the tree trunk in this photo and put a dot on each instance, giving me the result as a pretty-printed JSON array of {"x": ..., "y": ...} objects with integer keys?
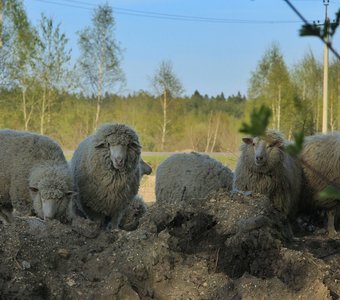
[
  {"x": 42, "y": 113},
  {"x": 279, "y": 109},
  {"x": 216, "y": 132},
  {"x": 165, "y": 103},
  {"x": 331, "y": 117},
  {"x": 209, "y": 132},
  {"x": 99, "y": 95},
  {"x": 24, "y": 107}
]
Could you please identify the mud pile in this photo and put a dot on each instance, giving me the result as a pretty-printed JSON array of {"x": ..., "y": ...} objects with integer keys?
[{"x": 227, "y": 247}]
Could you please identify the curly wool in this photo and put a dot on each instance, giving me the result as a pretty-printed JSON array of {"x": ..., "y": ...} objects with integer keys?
[
  {"x": 104, "y": 190},
  {"x": 30, "y": 158},
  {"x": 322, "y": 153},
  {"x": 185, "y": 176},
  {"x": 279, "y": 179}
]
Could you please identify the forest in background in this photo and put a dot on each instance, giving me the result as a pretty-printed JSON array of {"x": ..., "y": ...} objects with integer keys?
[{"x": 41, "y": 90}]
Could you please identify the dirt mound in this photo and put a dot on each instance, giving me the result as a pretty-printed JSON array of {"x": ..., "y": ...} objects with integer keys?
[{"x": 227, "y": 247}]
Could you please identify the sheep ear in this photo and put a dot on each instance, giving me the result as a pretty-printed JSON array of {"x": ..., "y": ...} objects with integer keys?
[
  {"x": 135, "y": 145},
  {"x": 100, "y": 144},
  {"x": 71, "y": 193},
  {"x": 33, "y": 189},
  {"x": 278, "y": 144},
  {"x": 247, "y": 141}
]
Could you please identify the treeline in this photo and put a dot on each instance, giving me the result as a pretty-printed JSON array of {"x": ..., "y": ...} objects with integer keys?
[
  {"x": 198, "y": 122},
  {"x": 40, "y": 90}
]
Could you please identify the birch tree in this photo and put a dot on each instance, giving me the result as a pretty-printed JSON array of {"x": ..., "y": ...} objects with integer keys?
[
  {"x": 271, "y": 85},
  {"x": 167, "y": 85},
  {"x": 50, "y": 65},
  {"x": 100, "y": 56}
]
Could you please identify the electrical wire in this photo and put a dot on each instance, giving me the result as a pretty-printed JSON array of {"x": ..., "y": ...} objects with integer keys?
[{"x": 164, "y": 16}]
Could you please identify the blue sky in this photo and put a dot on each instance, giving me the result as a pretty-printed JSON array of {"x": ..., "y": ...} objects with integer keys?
[{"x": 212, "y": 57}]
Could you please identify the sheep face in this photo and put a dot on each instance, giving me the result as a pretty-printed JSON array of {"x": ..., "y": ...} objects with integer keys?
[
  {"x": 51, "y": 203},
  {"x": 120, "y": 147},
  {"x": 118, "y": 154},
  {"x": 266, "y": 153}
]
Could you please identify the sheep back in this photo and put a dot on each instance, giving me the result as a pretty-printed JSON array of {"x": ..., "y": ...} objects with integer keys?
[
  {"x": 104, "y": 190},
  {"x": 279, "y": 179},
  {"x": 185, "y": 176},
  {"x": 20, "y": 152},
  {"x": 322, "y": 153}
]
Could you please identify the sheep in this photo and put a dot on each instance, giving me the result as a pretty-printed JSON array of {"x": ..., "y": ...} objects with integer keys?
[
  {"x": 184, "y": 176},
  {"x": 34, "y": 176},
  {"x": 106, "y": 170},
  {"x": 320, "y": 158},
  {"x": 264, "y": 167},
  {"x": 137, "y": 208}
]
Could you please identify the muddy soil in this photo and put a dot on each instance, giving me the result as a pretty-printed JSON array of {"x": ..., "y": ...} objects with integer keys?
[{"x": 228, "y": 246}]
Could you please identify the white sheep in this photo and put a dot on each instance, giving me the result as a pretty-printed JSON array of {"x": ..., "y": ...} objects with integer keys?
[
  {"x": 321, "y": 167},
  {"x": 34, "y": 175},
  {"x": 106, "y": 170},
  {"x": 185, "y": 176},
  {"x": 264, "y": 167}
]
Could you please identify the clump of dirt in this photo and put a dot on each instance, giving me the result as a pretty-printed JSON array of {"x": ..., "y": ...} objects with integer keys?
[{"x": 229, "y": 246}]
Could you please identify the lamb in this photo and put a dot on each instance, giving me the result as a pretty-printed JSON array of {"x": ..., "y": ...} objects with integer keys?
[
  {"x": 106, "y": 170},
  {"x": 321, "y": 166},
  {"x": 184, "y": 176},
  {"x": 264, "y": 167},
  {"x": 34, "y": 176}
]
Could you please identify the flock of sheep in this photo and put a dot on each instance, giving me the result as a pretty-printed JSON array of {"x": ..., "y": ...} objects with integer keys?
[{"x": 102, "y": 179}]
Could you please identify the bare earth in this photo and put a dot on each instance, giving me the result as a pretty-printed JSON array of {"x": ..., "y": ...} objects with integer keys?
[{"x": 227, "y": 247}]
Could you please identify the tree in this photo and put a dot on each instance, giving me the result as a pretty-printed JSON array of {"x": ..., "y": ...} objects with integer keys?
[
  {"x": 307, "y": 77},
  {"x": 100, "y": 56},
  {"x": 271, "y": 84},
  {"x": 50, "y": 64},
  {"x": 21, "y": 47},
  {"x": 166, "y": 84}
]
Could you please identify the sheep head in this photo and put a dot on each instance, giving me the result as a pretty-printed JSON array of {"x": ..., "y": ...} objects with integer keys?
[
  {"x": 265, "y": 153},
  {"x": 121, "y": 145},
  {"x": 50, "y": 191}
]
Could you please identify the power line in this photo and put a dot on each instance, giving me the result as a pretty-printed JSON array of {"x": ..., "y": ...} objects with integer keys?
[{"x": 163, "y": 16}]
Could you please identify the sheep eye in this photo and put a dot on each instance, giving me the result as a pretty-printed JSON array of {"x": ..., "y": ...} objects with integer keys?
[{"x": 253, "y": 144}]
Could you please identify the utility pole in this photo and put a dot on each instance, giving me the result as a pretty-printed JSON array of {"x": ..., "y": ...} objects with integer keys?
[
  {"x": 2, "y": 7},
  {"x": 325, "y": 73}
]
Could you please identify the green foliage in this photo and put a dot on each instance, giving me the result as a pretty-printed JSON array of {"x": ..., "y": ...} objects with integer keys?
[
  {"x": 330, "y": 192},
  {"x": 165, "y": 80},
  {"x": 259, "y": 120},
  {"x": 100, "y": 54},
  {"x": 296, "y": 148}
]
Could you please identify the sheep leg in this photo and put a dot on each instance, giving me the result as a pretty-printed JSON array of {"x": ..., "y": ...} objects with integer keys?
[
  {"x": 330, "y": 226},
  {"x": 20, "y": 203}
]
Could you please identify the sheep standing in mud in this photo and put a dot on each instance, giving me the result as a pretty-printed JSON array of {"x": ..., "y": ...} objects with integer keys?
[
  {"x": 264, "y": 167},
  {"x": 321, "y": 167},
  {"x": 106, "y": 170},
  {"x": 34, "y": 176}
]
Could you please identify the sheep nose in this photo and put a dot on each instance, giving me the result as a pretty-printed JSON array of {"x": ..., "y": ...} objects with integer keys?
[
  {"x": 119, "y": 161},
  {"x": 259, "y": 158}
]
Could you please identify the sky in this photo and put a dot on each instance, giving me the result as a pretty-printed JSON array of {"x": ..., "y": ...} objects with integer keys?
[{"x": 214, "y": 45}]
